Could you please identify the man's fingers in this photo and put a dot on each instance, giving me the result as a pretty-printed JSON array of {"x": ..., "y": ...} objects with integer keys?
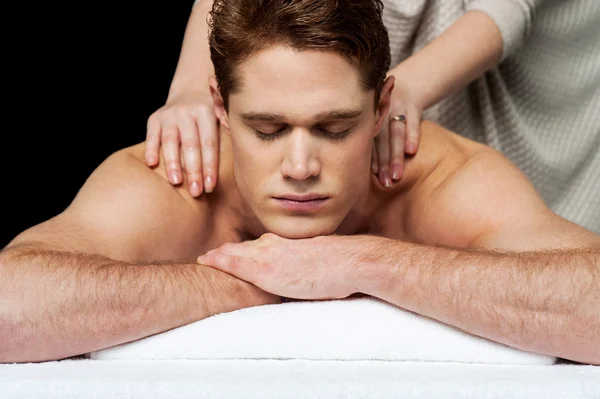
[
  {"x": 234, "y": 249},
  {"x": 209, "y": 140},
  {"x": 413, "y": 134},
  {"x": 170, "y": 148},
  {"x": 152, "y": 140},
  {"x": 192, "y": 157},
  {"x": 382, "y": 142},
  {"x": 234, "y": 265},
  {"x": 397, "y": 138}
]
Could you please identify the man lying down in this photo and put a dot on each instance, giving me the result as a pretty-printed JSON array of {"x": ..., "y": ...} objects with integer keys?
[{"x": 300, "y": 91}]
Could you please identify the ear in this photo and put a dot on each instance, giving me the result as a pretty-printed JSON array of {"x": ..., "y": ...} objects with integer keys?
[
  {"x": 383, "y": 107},
  {"x": 218, "y": 103}
]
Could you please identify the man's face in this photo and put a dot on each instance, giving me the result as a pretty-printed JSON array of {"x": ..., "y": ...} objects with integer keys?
[{"x": 301, "y": 129}]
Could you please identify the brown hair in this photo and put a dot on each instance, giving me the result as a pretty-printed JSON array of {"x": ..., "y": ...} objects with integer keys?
[{"x": 352, "y": 28}]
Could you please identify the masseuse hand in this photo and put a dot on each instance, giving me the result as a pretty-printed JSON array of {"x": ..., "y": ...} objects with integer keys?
[
  {"x": 319, "y": 268},
  {"x": 186, "y": 127},
  {"x": 399, "y": 135}
]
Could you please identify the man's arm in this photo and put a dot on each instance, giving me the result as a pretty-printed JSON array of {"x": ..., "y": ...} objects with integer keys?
[
  {"x": 542, "y": 302},
  {"x": 98, "y": 274},
  {"x": 527, "y": 277}
]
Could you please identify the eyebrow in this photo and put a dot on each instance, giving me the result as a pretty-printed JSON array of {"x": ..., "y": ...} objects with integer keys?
[{"x": 328, "y": 115}]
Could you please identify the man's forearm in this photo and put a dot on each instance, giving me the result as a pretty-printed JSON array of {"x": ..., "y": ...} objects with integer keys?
[
  {"x": 194, "y": 65},
  {"x": 467, "y": 49},
  {"x": 58, "y": 304},
  {"x": 544, "y": 302}
]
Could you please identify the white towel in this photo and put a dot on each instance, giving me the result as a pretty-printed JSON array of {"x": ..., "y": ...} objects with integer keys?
[
  {"x": 294, "y": 379},
  {"x": 363, "y": 328}
]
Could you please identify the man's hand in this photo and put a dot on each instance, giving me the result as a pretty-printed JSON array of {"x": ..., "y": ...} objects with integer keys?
[{"x": 316, "y": 268}]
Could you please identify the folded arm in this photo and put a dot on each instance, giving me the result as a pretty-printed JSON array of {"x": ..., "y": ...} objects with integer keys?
[
  {"x": 540, "y": 301},
  {"x": 99, "y": 274},
  {"x": 58, "y": 304},
  {"x": 501, "y": 264}
]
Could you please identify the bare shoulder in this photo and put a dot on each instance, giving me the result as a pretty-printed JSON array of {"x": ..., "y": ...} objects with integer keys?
[
  {"x": 126, "y": 211},
  {"x": 477, "y": 197}
]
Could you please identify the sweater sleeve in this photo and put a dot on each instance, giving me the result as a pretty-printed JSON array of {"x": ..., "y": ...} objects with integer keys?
[{"x": 513, "y": 17}]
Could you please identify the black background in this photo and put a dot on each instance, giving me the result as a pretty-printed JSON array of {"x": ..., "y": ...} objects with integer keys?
[{"x": 80, "y": 80}]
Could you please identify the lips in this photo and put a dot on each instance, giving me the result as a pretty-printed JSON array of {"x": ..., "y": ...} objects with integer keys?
[
  {"x": 302, "y": 198},
  {"x": 306, "y": 202}
]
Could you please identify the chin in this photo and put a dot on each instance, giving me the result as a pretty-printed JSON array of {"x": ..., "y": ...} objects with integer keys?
[{"x": 296, "y": 228}]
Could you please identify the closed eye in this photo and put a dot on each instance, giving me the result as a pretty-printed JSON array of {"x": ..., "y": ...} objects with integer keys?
[
  {"x": 332, "y": 135},
  {"x": 335, "y": 135},
  {"x": 269, "y": 136}
]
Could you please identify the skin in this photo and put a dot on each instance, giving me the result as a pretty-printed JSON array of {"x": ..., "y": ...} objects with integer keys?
[{"x": 429, "y": 244}]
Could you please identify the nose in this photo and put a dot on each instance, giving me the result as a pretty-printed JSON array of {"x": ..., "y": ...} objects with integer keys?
[{"x": 301, "y": 160}]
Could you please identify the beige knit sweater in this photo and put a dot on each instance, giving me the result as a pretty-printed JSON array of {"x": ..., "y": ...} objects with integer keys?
[{"x": 540, "y": 106}]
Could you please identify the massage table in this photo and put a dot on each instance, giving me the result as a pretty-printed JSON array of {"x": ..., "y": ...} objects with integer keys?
[{"x": 348, "y": 348}]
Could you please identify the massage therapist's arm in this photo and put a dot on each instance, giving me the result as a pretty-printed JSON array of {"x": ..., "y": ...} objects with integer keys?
[
  {"x": 98, "y": 274},
  {"x": 503, "y": 265}
]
